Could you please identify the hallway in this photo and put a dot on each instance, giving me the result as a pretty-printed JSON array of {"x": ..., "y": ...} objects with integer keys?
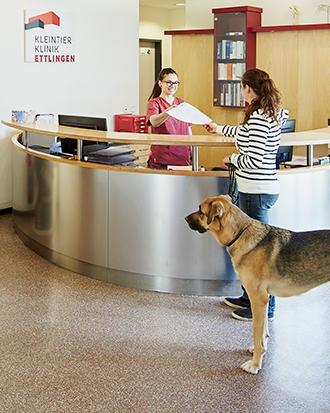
[{"x": 69, "y": 343}]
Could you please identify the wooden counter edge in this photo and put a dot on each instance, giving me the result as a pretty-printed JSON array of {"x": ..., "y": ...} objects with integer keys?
[{"x": 122, "y": 137}]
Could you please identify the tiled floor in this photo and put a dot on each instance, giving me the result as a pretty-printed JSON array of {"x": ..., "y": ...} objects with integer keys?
[{"x": 73, "y": 344}]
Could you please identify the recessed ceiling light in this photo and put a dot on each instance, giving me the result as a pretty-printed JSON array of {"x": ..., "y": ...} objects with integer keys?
[{"x": 179, "y": 4}]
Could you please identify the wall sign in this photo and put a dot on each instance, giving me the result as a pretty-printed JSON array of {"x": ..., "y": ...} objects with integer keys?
[{"x": 49, "y": 37}]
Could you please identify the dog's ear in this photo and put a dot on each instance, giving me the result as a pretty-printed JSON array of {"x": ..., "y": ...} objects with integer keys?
[{"x": 215, "y": 209}]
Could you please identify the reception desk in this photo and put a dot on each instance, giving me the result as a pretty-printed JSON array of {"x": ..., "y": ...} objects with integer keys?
[{"x": 126, "y": 225}]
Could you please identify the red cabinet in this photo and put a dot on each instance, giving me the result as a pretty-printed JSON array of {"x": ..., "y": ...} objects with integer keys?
[
  {"x": 131, "y": 123},
  {"x": 234, "y": 51}
]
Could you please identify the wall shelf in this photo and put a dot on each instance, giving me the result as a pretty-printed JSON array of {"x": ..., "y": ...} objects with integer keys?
[
  {"x": 290, "y": 27},
  {"x": 189, "y": 32}
]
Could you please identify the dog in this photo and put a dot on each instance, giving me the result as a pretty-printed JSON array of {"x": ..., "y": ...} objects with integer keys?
[{"x": 267, "y": 259}]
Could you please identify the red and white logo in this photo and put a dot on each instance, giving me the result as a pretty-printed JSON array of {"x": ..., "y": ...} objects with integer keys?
[
  {"x": 49, "y": 37},
  {"x": 42, "y": 20}
]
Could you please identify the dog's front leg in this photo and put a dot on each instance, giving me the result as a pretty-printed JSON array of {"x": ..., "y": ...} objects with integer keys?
[{"x": 259, "y": 308}]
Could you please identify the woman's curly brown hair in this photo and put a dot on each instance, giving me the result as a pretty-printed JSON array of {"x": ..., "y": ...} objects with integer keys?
[{"x": 268, "y": 98}]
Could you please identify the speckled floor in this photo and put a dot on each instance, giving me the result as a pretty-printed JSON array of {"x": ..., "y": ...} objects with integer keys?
[{"x": 73, "y": 344}]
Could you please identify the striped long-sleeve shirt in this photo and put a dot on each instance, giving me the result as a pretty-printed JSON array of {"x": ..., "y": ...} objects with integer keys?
[{"x": 258, "y": 141}]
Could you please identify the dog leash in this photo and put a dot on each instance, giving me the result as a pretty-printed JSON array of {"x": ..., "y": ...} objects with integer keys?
[{"x": 232, "y": 184}]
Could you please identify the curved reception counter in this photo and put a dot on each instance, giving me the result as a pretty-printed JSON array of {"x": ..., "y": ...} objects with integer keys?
[{"x": 126, "y": 225}]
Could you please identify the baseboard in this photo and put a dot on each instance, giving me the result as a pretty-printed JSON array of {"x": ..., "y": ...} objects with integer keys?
[{"x": 6, "y": 211}]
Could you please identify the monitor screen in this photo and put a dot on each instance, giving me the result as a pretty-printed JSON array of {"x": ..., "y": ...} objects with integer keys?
[
  {"x": 284, "y": 154},
  {"x": 85, "y": 122}
]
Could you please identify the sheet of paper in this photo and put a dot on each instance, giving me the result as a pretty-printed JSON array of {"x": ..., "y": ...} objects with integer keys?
[
  {"x": 188, "y": 113},
  {"x": 179, "y": 167}
]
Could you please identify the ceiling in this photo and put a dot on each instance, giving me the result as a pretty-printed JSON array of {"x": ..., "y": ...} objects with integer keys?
[{"x": 162, "y": 4}]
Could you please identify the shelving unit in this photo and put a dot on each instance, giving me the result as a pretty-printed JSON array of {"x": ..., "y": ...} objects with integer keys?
[{"x": 234, "y": 51}]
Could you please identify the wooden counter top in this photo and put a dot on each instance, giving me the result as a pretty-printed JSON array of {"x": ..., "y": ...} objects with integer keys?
[
  {"x": 312, "y": 137},
  {"x": 122, "y": 137},
  {"x": 306, "y": 138}
]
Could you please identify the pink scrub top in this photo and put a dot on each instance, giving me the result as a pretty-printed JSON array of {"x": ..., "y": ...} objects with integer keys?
[{"x": 162, "y": 155}]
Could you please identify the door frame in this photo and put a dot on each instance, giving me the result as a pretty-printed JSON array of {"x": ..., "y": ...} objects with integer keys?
[{"x": 158, "y": 54}]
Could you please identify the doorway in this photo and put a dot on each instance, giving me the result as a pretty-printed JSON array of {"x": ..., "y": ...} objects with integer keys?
[{"x": 149, "y": 67}]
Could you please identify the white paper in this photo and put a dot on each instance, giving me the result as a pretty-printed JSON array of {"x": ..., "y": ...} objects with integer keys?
[
  {"x": 188, "y": 113},
  {"x": 179, "y": 167}
]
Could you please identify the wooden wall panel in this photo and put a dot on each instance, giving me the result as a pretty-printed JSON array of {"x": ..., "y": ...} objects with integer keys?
[
  {"x": 298, "y": 61},
  {"x": 192, "y": 59},
  {"x": 314, "y": 80},
  {"x": 277, "y": 54}
]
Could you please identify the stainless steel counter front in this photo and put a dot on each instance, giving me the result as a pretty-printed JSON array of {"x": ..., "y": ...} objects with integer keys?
[
  {"x": 122, "y": 227},
  {"x": 127, "y": 227}
]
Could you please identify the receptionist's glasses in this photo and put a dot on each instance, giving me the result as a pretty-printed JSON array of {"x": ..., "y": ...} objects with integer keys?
[{"x": 170, "y": 83}]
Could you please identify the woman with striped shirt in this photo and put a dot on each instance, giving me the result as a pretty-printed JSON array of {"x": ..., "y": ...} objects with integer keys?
[{"x": 258, "y": 139}]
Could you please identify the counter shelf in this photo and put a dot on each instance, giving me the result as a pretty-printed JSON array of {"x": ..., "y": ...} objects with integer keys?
[
  {"x": 195, "y": 141},
  {"x": 306, "y": 138}
]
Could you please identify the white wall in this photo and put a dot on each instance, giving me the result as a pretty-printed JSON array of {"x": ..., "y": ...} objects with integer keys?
[
  {"x": 178, "y": 19},
  {"x": 154, "y": 22},
  {"x": 199, "y": 13},
  {"x": 103, "y": 79}
]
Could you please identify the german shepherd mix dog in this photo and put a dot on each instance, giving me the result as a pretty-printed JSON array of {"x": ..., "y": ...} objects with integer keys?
[{"x": 268, "y": 260}]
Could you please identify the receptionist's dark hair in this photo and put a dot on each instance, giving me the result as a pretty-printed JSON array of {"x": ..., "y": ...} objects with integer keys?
[
  {"x": 156, "y": 91},
  {"x": 268, "y": 96}
]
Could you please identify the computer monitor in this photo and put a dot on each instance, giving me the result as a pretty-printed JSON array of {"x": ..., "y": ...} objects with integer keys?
[
  {"x": 290, "y": 126},
  {"x": 285, "y": 153},
  {"x": 70, "y": 145}
]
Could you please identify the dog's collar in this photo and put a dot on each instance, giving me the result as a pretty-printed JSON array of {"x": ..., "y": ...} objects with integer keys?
[{"x": 236, "y": 238}]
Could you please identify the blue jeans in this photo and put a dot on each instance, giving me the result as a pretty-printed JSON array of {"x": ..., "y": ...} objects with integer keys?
[{"x": 257, "y": 206}]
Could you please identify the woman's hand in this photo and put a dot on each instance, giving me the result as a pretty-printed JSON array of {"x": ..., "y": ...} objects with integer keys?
[
  {"x": 157, "y": 120},
  {"x": 226, "y": 161},
  {"x": 171, "y": 107},
  {"x": 211, "y": 127}
]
